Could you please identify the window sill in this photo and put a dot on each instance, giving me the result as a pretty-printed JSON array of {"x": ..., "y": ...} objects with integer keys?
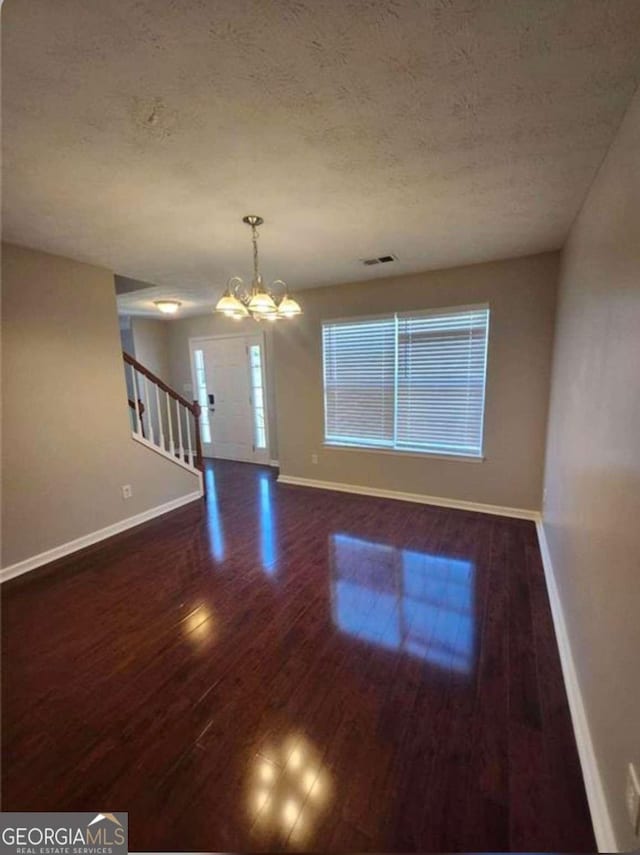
[{"x": 431, "y": 455}]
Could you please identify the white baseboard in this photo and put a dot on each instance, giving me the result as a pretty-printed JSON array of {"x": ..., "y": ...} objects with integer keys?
[
  {"x": 102, "y": 534},
  {"x": 439, "y": 501},
  {"x": 275, "y": 463},
  {"x": 602, "y": 825}
]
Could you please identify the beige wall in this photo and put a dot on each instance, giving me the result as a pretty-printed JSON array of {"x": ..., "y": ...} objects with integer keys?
[
  {"x": 592, "y": 483},
  {"x": 521, "y": 293},
  {"x": 151, "y": 345},
  {"x": 180, "y": 331},
  {"x": 66, "y": 441}
]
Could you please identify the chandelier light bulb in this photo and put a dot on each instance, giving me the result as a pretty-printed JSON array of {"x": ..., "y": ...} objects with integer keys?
[
  {"x": 262, "y": 304},
  {"x": 231, "y": 306},
  {"x": 289, "y": 307}
]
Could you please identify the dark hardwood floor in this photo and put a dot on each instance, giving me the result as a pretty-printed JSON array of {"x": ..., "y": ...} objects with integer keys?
[{"x": 287, "y": 668}]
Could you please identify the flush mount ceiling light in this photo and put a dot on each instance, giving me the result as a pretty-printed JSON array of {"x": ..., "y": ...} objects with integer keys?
[
  {"x": 167, "y": 307},
  {"x": 260, "y": 303}
]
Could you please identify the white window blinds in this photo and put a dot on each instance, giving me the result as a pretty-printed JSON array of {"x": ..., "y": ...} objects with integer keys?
[
  {"x": 440, "y": 381},
  {"x": 408, "y": 381},
  {"x": 359, "y": 382}
]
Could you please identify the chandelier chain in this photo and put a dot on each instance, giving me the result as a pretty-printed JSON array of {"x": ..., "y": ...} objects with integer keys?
[{"x": 254, "y": 238}]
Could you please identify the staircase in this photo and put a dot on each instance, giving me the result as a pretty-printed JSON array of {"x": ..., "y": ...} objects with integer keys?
[{"x": 161, "y": 419}]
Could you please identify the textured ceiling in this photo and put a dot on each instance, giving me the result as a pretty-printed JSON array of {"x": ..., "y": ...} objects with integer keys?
[{"x": 138, "y": 132}]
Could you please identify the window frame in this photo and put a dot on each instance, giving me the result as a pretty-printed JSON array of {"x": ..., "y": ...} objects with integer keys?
[{"x": 408, "y": 452}]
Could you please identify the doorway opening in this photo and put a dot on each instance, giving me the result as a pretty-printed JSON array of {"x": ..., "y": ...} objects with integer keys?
[{"x": 229, "y": 381}]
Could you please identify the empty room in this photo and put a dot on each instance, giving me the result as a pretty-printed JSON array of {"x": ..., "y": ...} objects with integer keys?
[{"x": 320, "y": 426}]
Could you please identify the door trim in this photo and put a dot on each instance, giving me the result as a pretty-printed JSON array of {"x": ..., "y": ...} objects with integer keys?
[{"x": 193, "y": 343}]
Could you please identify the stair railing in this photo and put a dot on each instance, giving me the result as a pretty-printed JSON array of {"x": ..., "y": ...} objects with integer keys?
[{"x": 172, "y": 423}]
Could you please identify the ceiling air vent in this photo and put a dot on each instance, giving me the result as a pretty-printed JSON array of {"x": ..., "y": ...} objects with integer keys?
[{"x": 381, "y": 259}]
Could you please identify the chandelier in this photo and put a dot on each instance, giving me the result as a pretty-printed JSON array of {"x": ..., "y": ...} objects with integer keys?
[{"x": 260, "y": 303}]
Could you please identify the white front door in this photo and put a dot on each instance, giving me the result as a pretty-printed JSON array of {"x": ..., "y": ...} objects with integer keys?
[{"x": 229, "y": 377}]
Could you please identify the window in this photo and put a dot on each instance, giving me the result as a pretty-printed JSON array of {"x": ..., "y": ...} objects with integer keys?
[
  {"x": 359, "y": 370},
  {"x": 407, "y": 382},
  {"x": 201, "y": 391},
  {"x": 257, "y": 393}
]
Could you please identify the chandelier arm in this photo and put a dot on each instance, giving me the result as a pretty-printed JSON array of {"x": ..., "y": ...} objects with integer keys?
[
  {"x": 281, "y": 286},
  {"x": 239, "y": 290}
]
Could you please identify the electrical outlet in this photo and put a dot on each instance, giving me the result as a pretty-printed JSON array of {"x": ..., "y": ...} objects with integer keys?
[
  {"x": 127, "y": 492},
  {"x": 314, "y": 458},
  {"x": 632, "y": 797}
]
